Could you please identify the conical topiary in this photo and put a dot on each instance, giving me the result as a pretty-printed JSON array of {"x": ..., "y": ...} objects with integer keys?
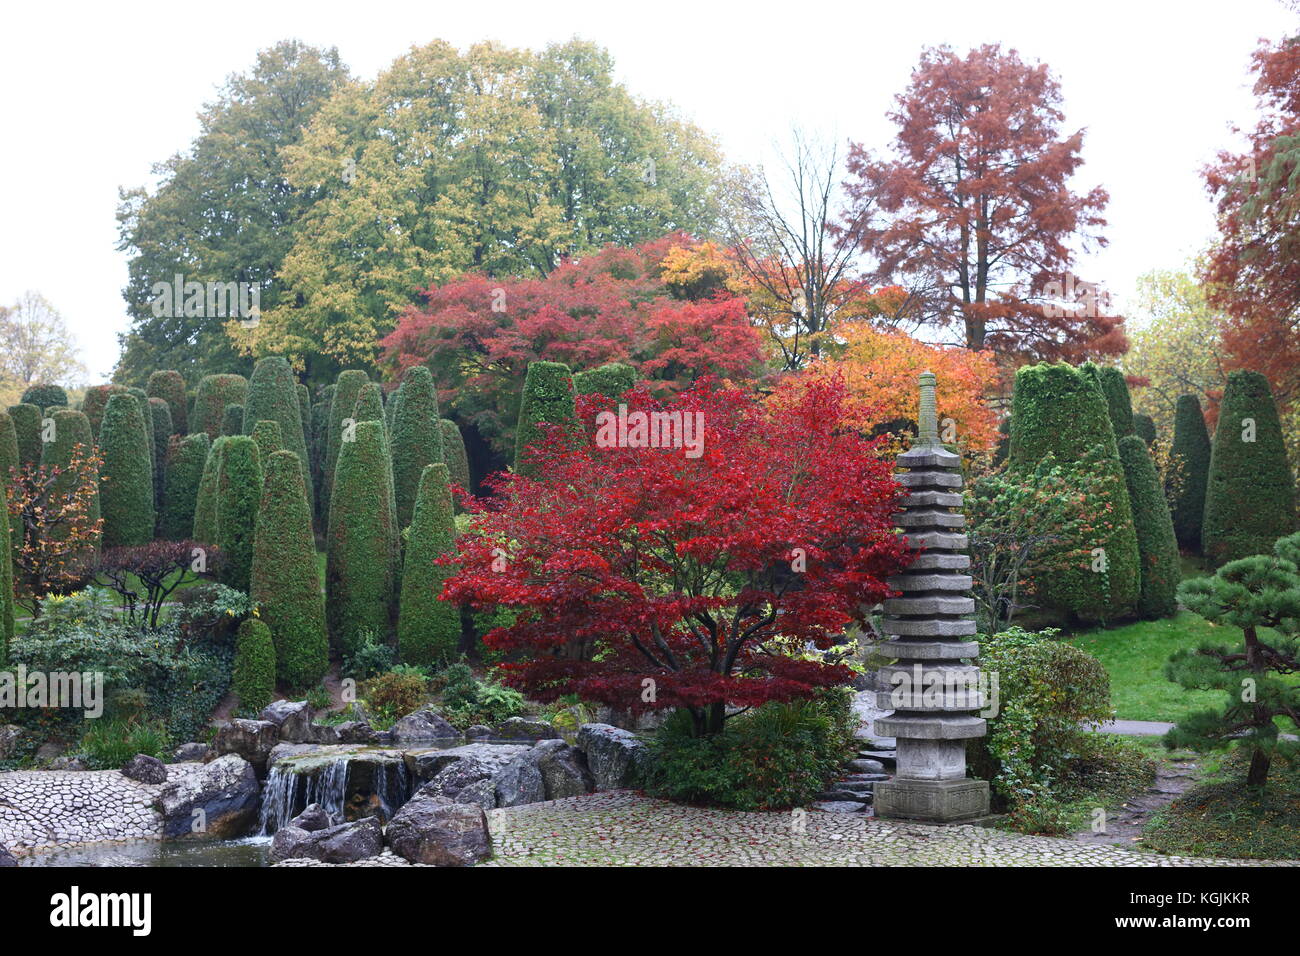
[
  {"x": 1144, "y": 426},
  {"x": 71, "y": 438},
  {"x": 232, "y": 420},
  {"x": 161, "y": 419},
  {"x": 45, "y": 396},
  {"x": 1157, "y": 546},
  {"x": 186, "y": 459},
  {"x": 1191, "y": 453},
  {"x": 342, "y": 405},
  {"x": 304, "y": 420},
  {"x": 1119, "y": 404},
  {"x": 1250, "y": 494},
  {"x": 6, "y": 580},
  {"x": 547, "y": 399},
  {"x": 428, "y": 628},
  {"x": 170, "y": 387},
  {"x": 205, "y": 503},
  {"x": 361, "y": 556},
  {"x": 273, "y": 396},
  {"x": 267, "y": 434},
  {"x": 416, "y": 438},
  {"x": 146, "y": 411},
  {"x": 27, "y": 428},
  {"x": 94, "y": 403},
  {"x": 214, "y": 393},
  {"x": 239, "y": 493},
  {"x": 126, "y": 476},
  {"x": 253, "y": 677},
  {"x": 454, "y": 457},
  {"x": 9, "y": 469},
  {"x": 610, "y": 380},
  {"x": 285, "y": 585}
]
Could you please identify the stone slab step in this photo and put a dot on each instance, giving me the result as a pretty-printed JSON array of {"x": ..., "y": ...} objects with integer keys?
[{"x": 839, "y": 806}]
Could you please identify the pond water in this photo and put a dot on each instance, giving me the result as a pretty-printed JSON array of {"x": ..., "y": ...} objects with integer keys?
[{"x": 251, "y": 851}]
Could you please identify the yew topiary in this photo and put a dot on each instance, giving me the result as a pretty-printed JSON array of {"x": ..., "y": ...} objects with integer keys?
[
  {"x": 1191, "y": 450},
  {"x": 185, "y": 465},
  {"x": 27, "y": 428},
  {"x": 267, "y": 435},
  {"x": 94, "y": 403},
  {"x": 428, "y": 628},
  {"x": 253, "y": 679},
  {"x": 273, "y": 396},
  {"x": 610, "y": 380},
  {"x": 453, "y": 455},
  {"x": 160, "y": 417},
  {"x": 1157, "y": 546},
  {"x": 126, "y": 476},
  {"x": 45, "y": 396},
  {"x": 205, "y": 503},
  {"x": 416, "y": 438},
  {"x": 169, "y": 386},
  {"x": 232, "y": 420},
  {"x": 547, "y": 399},
  {"x": 214, "y": 393},
  {"x": 239, "y": 493},
  {"x": 342, "y": 405}
]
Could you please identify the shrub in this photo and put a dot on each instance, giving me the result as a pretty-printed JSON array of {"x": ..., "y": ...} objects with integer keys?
[
  {"x": 1144, "y": 426},
  {"x": 273, "y": 396},
  {"x": 1060, "y": 410},
  {"x": 232, "y": 420},
  {"x": 158, "y": 569},
  {"x": 146, "y": 412},
  {"x": 45, "y": 396},
  {"x": 125, "y": 478},
  {"x": 239, "y": 492},
  {"x": 780, "y": 755},
  {"x": 27, "y": 428},
  {"x": 1119, "y": 404},
  {"x": 285, "y": 585},
  {"x": 10, "y": 470},
  {"x": 1250, "y": 494},
  {"x": 453, "y": 455},
  {"x": 161, "y": 418},
  {"x": 610, "y": 380},
  {"x": 320, "y": 413},
  {"x": 253, "y": 680},
  {"x": 370, "y": 405},
  {"x": 214, "y": 393},
  {"x": 1191, "y": 450},
  {"x": 416, "y": 437},
  {"x": 466, "y": 701},
  {"x": 1047, "y": 690},
  {"x": 96, "y": 401},
  {"x": 267, "y": 436},
  {"x": 109, "y": 744},
  {"x": 547, "y": 399},
  {"x": 169, "y": 386},
  {"x": 371, "y": 657},
  {"x": 1157, "y": 546},
  {"x": 342, "y": 405},
  {"x": 205, "y": 501},
  {"x": 185, "y": 461},
  {"x": 361, "y": 552},
  {"x": 6, "y": 579},
  {"x": 428, "y": 628},
  {"x": 394, "y": 694}
]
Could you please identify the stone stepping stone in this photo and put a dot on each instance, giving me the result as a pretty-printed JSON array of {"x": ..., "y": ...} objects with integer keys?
[{"x": 839, "y": 806}]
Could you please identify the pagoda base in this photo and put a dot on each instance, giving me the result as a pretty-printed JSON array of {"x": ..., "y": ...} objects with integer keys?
[{"x": 934, "y": 801}]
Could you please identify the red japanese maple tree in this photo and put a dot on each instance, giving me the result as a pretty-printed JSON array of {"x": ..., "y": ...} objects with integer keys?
[{"x": 696, "y": 580}]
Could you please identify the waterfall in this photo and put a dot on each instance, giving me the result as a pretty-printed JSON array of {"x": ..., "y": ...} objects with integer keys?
[
  {"x": 392, "y": 787},
  {"x": 284, "y": 795}
]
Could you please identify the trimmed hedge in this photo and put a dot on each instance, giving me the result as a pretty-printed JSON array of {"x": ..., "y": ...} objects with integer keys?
[
  {"x": 547, "y": 398},
  {"x": 1191, "y": 447},
  {"x": 253, "y": 677},
  {"x": 267, "y": 434},
  {"x": 1157, "y": 546},
  {"x": 45, "y": 396},
  {"x": 370, "y": 405},
  {"x": 239, "y": 492},
  {"x": 161, "y": 419},
  {"x": 284, "y": 584},
  {"x": 8, "y": 466},
  {"x": 232, "y": 420},
  {"x": 6, "y": 580},
  {"x": 342, "y": 405},
  {"x": 304, "y": 421},
  {"x": 416, "y": 437},
  {"x": 428, "y": 628},
  {"x": 146, "y": 410},
  {"x": 214, "y": 393},
  {"x": 1119, "y": 404},
  {"x": 1060, "y": 410},
  {"x": 1250, "y": 494},
  {"x": 453, "y": 455},
  {"x": 361, "y": 557},
  {"x": 170, "y": 387},
  {"x": 205, "y": 502},
  {"x": 95, "y": 401},
  {"x": 27, "y": 428},
  {"x": 610, "y": 380},
  {"x": 1144, "y": 426},
  {"x": 273, "y": 396},
  {"x": 126, "y": 476},
  {"x": 70, "y": 430},
  {"x": 186, "y": 460}
]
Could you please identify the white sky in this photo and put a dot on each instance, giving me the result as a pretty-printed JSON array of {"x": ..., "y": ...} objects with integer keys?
[{"x": 94, "y": 93}]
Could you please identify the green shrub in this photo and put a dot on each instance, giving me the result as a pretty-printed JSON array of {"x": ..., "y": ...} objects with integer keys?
[
  {"x": 109, "y": 744},
  {"x": 232, "y": 420},
  {"x": 239, "y": 493},
  {"x": 45, "y": 396},
  {"x": 779, "y": 755},
  {"x": 185, "y": 461},
  {"x": 466, "y": 701},
  {"x": 370, "y": 405},
  {"x": 428, "y": 628},
  {"x": 342, "y": 405},
  {"x": 453, "y": 455},
  {"x": 1250, "y": 493},
  {"x": 214, "y": 393},
  {"x": 1119, "y": 404},
  {"x": 371, "y": 657},
  {"x": 1144, "y": 426},
  {"x": 285, "y": 586},
  {"x": 169, "y": 386},
  {"x": 1191, "y": 448},
  {"x": 27, "y": 428},
  {"x": 96, "y": 401},
  {"x": 1060, "y": 410},
  {"x": 547, "y": 399},
  {"x": 126, "y": 477},
  {"x": 610, "y": 380},
  {"x": 273, "y": 396},
  {"x": 160, "y": 417},
  {"x": 320, "y": 413},
  {"x": 361, "y": 556},
  {"x": 72, "y": 433},
  {"x": 394, "y": 694},
  {"x": 304, "y": 420},
  {"x": 253, "y": 680},
  {"x": 416, "y": 437},
  {"x": 267, "y": 435},
  {"x": 1157, "y": 546},
  {"x": 205, "y": 501},
  {"x": 8, "y": 468},
  {"x": 6, "y": 579}
]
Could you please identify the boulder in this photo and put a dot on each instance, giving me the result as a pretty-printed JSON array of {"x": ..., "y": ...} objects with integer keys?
[
  {"x": 564, "y": 770},
  {"x": 477, "y": 731},
  {"x": 292, "y": 718},
  {"x": 450, "y": 771},
  {"x": 436, "y": 831},
  {"x": 482, "y": 792},
  {"x": 251, "y": 739},
  {"x": 73, "y": 764},
  {"x": 617, "y": 758},
  {"x": 49, "y": 751},
  {"x": 345, "y": 843},
  {"x": 10, "y": 735},
  {"x": 218, "y": 800},
  {"x": 518, "y": 782},
  {"x": 313, "y": 817},
  {"x": 281, "y": 751},
  {"x": 355, "y": 732},
  {"x": 524, "y": 728},
  {"x": 326, "y": 734},
  {"x": 423, "y": 725},
  {"x": 193, "y": 752},
  {"x": 6, "y": 858},
  {"x": 146, "y": 769}
]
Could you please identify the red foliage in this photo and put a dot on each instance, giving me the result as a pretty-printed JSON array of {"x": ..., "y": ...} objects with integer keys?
[
  {"x": 978, "y": 211},
  {"x": 682, "y": 570},
  {"x": 478, "y": 334}
]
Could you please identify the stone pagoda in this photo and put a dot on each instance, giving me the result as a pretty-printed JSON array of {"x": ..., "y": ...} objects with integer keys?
[{"x": 930, "y": 629}]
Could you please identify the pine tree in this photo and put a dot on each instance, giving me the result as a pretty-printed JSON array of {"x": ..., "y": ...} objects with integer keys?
[
  {"x": 239, "y": 492},
  {"x": 428, "y": 628},
  {"x": 1250, "y": 494},
  {"x": 285, "y": 585},
  {"x": 126, "y": 477},
  {"x": 205, "y": 502},
  {"x": 547, "y": 399},
  {"x": 1191, "y": 450},
  {"x": 1157, "y": 546},
  {"x": 253, "y": 678},
  {"x": 416, "y": 437},
  {"x": 361, "y": 560},
  {"x": 454, "y": 457},
  {"x": 170, "y": 387},
  {"x": 273, "y": 396},
  {"x": 186, "y": 459},
  {"x": 27, "y": 428}
]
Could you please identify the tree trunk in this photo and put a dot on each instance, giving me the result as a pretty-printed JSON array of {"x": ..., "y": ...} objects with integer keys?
[
  {"x": 717, "y": 714},
  {"x": 1259, "y": 760},
  {"x": 1259, "y": 764}
]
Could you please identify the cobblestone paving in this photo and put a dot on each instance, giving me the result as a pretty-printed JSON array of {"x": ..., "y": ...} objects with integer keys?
[{"x": 622, "y": 828}]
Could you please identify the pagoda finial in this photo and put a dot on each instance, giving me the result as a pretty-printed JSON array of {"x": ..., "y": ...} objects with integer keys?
[{"x": 928, "y": 419}]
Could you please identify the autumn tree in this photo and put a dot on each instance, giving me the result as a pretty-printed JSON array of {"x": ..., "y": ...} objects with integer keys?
[
  {"x": 701, "y": 580},
  {"x": 975, "y": 207},
  {"x": 36, "y": 346}
]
